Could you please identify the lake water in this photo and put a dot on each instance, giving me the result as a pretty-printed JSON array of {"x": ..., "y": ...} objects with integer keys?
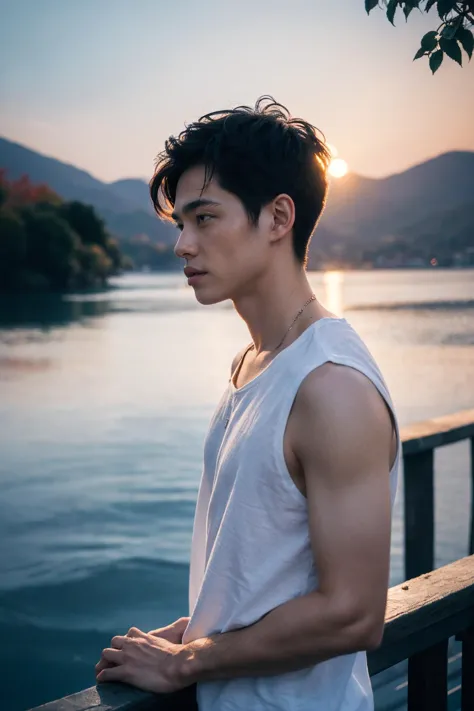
[{"x": 105, "y": 401}]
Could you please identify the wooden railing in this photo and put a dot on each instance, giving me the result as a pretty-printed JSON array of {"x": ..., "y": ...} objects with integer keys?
[
  {"x": 419, "y": 442},
  {"x": 422, "y": 613}
]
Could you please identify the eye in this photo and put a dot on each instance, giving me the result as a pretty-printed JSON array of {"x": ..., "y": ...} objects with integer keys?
[{"x": 201, "y": 219}]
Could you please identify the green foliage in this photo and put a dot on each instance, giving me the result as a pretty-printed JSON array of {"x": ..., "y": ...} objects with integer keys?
[
  {"x": 370, "y": 4},
  {"x": 454, "y": 34},
  {"x": 13, "y": 241},
  {"x": 436, "y": 59},
  {"x": 3, "y": 195},
  {"x": 429, "y": 42},
  {"x": 451, "y": 48},
  {"x": 391, "y": 9},
  {"x": 47, "y": 244},
  {"x": 84, "y": 220},
  {"x": 466, "y": 38}
]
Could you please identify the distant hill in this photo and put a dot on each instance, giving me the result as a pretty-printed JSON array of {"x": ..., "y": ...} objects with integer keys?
[
  {"x": 368, "y": 209},
  {"x": 434, "y": 198},
  {"x": 123, "y": 206},
  {"x": 453, "y": 227},
  {"x": 136, "y": 190}
]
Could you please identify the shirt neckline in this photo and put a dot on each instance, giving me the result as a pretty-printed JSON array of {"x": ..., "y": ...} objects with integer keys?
[{"x": 312, "y": 327}]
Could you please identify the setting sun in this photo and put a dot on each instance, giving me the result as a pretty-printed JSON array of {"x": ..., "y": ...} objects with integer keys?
[{"x": 338, "y": 168}]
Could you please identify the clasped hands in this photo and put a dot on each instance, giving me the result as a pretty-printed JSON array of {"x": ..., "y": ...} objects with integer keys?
[{"x": 150, "y": 661}]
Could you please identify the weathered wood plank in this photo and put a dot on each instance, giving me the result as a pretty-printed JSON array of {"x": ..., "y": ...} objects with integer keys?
[
  {"x": 121, "y": 697},
  {"x": 418, "y": 472},
  {"x": 428, "y": 679},
  {"x": 428, "y": 434},
  {"x": 424, "y": 611}
]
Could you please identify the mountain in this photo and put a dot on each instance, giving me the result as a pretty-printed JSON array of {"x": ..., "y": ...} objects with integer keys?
[
  {"x": 361, "y": 213},
  {"x": 136, "y": 190},
  {"x": 367, "y": 209},
  {"x": 123, "y": 205},
  {"x": 447, "y": 229}
]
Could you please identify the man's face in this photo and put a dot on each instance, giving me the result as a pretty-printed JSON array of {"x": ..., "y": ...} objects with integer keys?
[{"x": 218, "y": 239}]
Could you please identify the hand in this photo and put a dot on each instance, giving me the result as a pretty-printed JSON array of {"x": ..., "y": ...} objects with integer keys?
[
  {"x": 173, "y": 633},
  {"x": 143, "y": 660}
]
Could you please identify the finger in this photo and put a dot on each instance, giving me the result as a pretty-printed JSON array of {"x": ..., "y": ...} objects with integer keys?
[
  {"x": 118, "y": 641},
  {"x": 135, "y": 632},
  {"x": 115, "y": 656},
  {"x": 158, "y": 632},
  {"x": 102, "y": 664},
  {"x": 165, "y": 633},
  {"x": 111, "y": 674}
]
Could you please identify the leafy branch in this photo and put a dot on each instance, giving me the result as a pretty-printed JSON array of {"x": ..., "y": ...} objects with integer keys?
[{"x": 453, "y": 35}]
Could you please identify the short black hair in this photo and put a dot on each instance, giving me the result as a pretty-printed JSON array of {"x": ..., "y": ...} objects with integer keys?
[{"x": 256, "y": 154}]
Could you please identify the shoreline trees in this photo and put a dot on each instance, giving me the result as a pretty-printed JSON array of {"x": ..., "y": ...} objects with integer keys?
[{"x": 47, "y": 244}]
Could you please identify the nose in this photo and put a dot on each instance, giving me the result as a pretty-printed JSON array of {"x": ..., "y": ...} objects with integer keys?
[{"x": 185, "y": 246}]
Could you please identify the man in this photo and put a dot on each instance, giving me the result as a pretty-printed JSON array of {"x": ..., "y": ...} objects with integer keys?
[{"x": 291, "y": 542}]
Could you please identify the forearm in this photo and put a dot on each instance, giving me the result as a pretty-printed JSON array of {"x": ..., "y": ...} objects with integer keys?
[{"x": 300, "y": 633}]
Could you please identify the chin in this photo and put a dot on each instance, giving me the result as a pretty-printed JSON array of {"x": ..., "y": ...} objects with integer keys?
[{"x": 208, "y": 298}]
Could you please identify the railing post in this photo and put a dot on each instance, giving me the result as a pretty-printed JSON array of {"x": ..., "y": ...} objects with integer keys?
[
  {"x": 467, "y": 680},
  {"x": 419, "y": 514},
  {"x": 471, "y": 536},
  {"x": 428, "y": 679}
]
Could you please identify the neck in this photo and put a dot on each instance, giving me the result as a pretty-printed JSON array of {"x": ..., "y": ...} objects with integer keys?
[{"x": 271, "y": 306}]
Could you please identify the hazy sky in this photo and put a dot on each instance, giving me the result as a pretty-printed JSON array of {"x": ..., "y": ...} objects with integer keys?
[{"x": 102, "y": 83}]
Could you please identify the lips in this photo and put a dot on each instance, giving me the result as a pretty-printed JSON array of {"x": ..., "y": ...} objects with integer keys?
[{"x": 190, "y": 272}]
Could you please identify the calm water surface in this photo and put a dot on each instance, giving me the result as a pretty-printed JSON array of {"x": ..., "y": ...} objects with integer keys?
[{"x": 105, "y": 401}]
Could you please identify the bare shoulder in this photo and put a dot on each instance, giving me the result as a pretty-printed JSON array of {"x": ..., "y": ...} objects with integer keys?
[
  {"x": 345, "y": 409},
  {"x": 333, "y": 387}
]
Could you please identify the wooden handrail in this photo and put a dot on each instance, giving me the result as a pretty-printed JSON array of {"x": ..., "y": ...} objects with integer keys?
[
  {"x": 424, "y": 611},
  {"x": 421, "y": 613},
  {"x": 429, "y": 434},
  {"x": 419, "y": 442}
]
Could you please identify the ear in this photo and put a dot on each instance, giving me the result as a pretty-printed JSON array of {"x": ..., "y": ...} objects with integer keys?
[{"x": 283, "y": 214}]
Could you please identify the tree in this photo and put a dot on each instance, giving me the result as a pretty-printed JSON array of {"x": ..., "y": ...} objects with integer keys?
[
  {"x": 452, "y": 36},
  {"x": 13, "y": 245},
  {"x": 50, "y": 245},
  {"x": 52, "y": 248},
  {"x": 85, "y": 221},
  {"x": 22, "y": 192}
]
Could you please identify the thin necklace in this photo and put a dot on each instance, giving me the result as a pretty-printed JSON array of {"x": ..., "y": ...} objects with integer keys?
[
  {"x": 313, "y": 297},
  {"x": 237, "y": 370}
]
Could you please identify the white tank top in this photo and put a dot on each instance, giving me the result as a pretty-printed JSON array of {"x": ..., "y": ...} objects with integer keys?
[{"x": 251, "y": 550}]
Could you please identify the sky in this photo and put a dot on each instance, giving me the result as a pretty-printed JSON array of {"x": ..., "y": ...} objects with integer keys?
[{"x": 101, "y": 84}]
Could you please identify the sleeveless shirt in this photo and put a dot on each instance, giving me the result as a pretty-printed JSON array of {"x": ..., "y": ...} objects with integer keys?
[{"x": 251, "y": 549}]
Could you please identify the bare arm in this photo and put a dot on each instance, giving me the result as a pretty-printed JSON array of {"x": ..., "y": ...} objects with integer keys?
[
  {"x": 346, "y": 472},
  {"x": 340, "y": 432}
]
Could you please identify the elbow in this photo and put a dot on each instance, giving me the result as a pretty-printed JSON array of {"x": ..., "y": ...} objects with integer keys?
[
  {"x": 363, "y": 630},
  {"x": 364, "y": 634},
  {"x": 370, "y": 636},
  {"x": 374, "y": 640}
]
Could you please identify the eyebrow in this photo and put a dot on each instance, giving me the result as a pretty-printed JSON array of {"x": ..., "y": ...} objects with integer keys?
[{"x": 190, "y": 206}]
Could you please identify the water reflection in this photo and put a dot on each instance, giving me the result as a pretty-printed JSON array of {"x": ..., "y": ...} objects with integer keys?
[
  {"x": 105, "y": 402},
  {"x": 46, "y": 312},
  {"x": 333, "y": 292}
]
